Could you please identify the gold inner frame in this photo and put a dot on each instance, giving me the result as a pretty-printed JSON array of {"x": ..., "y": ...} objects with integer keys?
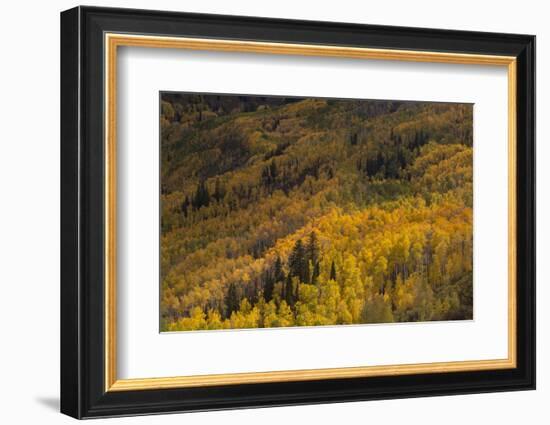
[{"x": 113, "y": 41}]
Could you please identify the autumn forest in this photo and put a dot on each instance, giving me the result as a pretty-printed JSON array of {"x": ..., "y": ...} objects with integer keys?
[{"x": 286, "y": 211}]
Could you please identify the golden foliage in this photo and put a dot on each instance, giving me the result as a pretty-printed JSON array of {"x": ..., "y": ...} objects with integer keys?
[{"x": 386, "y": 189}]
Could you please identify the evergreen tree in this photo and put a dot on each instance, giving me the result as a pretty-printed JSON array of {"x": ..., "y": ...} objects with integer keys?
[
  {"x": 374, "y": 164},
  {"x": 333, "y": 271},
  {"x": 289, "y": 293},
  {"x": 273, "y": 171},
  {"x": 185, "y": 205},
  {"x": 254, "y": 292},
  {"x": 202, "y": 196},
  {"x": 278, "y": 273},
  {"x": 313, "y": 248},
  {"x": 266, "y": 179},
  {"x": 232, "y": 299},
  {"x": 315, "y": 274},
  {"x": 269, "y": 284},
  {"x": 398, "y": 140},
  {"x": 298, "y": 262},
  {"x": 391, "y": 169}
]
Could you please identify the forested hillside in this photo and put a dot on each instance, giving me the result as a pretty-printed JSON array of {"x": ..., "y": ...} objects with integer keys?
[{"x": 301, "y": 212}]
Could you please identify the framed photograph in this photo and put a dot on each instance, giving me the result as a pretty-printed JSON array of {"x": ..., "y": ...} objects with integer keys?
[{"x": 261, "y": 212}]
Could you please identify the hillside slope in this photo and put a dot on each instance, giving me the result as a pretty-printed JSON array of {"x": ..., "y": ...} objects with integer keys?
[{"x": 291, "y": 212}]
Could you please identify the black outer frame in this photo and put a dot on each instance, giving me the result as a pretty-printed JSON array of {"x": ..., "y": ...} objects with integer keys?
[{"x": 82, "y": 218}]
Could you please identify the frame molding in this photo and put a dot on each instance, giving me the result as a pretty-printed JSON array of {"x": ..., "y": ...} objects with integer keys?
[
  {"x": 90, "y": 38},
  {"x": 113, "y": 41}
]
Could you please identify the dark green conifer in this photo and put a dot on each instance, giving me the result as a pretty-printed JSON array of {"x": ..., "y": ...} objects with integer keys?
[
  {"x": 333, "y": 271},
  {"x": 232, "y": 300}
]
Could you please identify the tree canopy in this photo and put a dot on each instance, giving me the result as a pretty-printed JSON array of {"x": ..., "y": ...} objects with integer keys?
[{"x": 303, "y": 212}]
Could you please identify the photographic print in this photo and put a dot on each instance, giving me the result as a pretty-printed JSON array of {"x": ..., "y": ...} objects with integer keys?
[
  {"x": 303, "y": 191},
  {"x": 293, "y": 211}
]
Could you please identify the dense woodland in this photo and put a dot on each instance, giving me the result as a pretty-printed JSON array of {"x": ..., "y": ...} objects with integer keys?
[{"x": 299, "y": 212}]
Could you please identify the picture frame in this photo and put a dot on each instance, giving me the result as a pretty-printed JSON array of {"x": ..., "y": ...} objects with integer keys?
[{"x": 91, "y": 38}]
